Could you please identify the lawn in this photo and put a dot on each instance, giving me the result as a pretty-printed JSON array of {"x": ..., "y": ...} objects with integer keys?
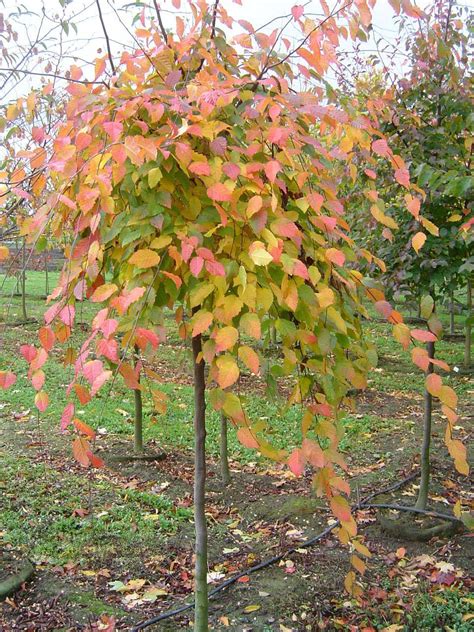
[{"x": 118, "y": 541}]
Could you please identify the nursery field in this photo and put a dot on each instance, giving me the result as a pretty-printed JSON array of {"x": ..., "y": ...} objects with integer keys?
[{"x": 114, "y": 546}]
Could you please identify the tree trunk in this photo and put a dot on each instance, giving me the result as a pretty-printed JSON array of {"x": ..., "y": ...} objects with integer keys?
[
  {"x": 225, "y": 472},
  {"x": 23, "y": 282},
  {"x": 425, "y": 450},
  {"x": 468, "y": 338},
  {"x": 46, "y": 273},
  {"x": 138, "y": 435},
  {"x": 200, "y": 575},
  {"x": 451, "y": 313}
]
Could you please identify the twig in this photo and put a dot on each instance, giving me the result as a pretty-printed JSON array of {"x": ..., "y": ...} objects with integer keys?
[
  {"x": 160, "y": 22},
  {"x": 106, "y": 35}
]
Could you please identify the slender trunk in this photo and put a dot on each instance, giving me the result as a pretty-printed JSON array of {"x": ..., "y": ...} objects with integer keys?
[
  {"x": 18, "y": 273},
  {"x": 225, "y": 472},
  {"x": 46, "y": 273},
  {"x": 23, "y": 282},
  {"x": 425, "y": 450},
  {"x": 468, "y": 339},
  {"x": 451, "y": 313},
  {"x": 138, "y": 436},
  {"x": 201, "y": 598}
]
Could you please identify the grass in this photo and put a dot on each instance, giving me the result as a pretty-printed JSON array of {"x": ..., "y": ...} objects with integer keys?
[{"x": 54, "y": 531}]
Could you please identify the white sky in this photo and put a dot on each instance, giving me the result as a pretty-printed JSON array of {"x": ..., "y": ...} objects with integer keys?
[{"x": 90, "y": 39}]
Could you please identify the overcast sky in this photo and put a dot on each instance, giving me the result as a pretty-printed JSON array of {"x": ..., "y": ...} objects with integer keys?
[{"x": 84, "y": 45}]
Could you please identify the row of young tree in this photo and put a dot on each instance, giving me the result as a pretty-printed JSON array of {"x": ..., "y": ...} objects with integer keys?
[{"x": 224, "y": 178}]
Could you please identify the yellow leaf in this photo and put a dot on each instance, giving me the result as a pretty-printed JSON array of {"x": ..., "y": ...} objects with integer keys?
[
  {"x": 325, "y": 297},
  {"x": 227, "y": 371},
  {"x": 145, "y": 258},
  {"x": 4, "y": 253},
  {"x": 260, "y": 256},
  {"x": 417, "y": 241},
  {"x": 252, "y": 608}
]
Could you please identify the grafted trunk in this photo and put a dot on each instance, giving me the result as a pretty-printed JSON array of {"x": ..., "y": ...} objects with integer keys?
[
  {"x": 422, "y": 499},
  {"x": 200, "y": 575}
]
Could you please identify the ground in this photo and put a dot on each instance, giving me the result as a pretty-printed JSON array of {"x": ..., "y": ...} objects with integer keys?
[{"x": 116, "y": 544}]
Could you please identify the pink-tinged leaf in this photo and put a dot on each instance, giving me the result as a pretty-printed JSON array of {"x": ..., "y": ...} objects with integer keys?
[
  {"x": 322, "y": 409},
  {"x": 247, "y": 438},
  {"x": 92, "y": 370},
  {"x": 226, "y": 338},
  {"x": 41, "y": 401},
  {"x": 402, "y": 176},
  {"x": 215, "y": 268},
  {"x": 123, "y": 302},
  {"x": 300, "y": 270},
  {"x": 420, "y": 358},
  {"x": 370, "y": 173},
  {"x": 384, "y": 308},
  {"x": 381, "y": 148},
  {"x": 108, "y": 348},
  {"x": 37, "y": 379},
  {"x": 231, "y": 170},
  {"x": 39, "y": 359},
  {"x": 423, "y": 336},
  {"x": 250, "y": 358},
  {"x": 51, "y": 313},
  {"x": 200, "y": 322},
  {"x": 195, "y": 265},
  {"x": 68, "y": 414},
  {"x": 254, "y": 205},
  {"x": 219, "y": 192},
  {"x": 316, "y": 201},
  {"x": 28, "y": 352},
  {"x": 413, "y": 205},
  {"x": 109, "y": 327},
  {"x": 272, "y": 168},
  {"x": 67, "y": 314},
  {"x": 200, "y": 168},
  {"x": 47, "y": 338},
  {"x": 81, "y": 450},
  {"x": 296, "y": 462},
  {"x": 114, "y": 129},
  {"x": 335, "y": 256},
  {"x": 7, "y": 379},
  {"x": 100, "y": 381},
  {"x": 297, "y": 11},
  {"x": 219, "y": 145}
]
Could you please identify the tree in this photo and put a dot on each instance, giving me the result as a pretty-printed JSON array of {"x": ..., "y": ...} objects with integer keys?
[{"x": 199, "y": 180}]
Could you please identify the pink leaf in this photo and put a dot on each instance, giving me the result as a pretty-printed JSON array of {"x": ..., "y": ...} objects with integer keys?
[
  {"x": 296, "y": 462},
  {"x": 271, "y": 169},
  {"x": 215, "y": 268},
  {"x": 297, "y": 11},
  {"x": 28, "y": 352},
  {"x": 195, "y": 265},
  {"x": 7, "y": 379},
  {"x": 380, "y": 147},
  {"x": 67, "y": 315},
  {"x": 423, "y": 336},
  {"x": 68, "y": 414}
]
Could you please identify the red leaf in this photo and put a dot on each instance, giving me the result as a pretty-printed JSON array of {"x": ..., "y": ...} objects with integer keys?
[
  {"x": 46, "y": 337},
  {"x": 81, "y": 450}
]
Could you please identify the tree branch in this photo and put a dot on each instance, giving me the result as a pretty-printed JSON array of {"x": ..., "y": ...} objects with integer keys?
[
  {"x": 106, "y": 35},
  {"x": 160, "y": 22}
]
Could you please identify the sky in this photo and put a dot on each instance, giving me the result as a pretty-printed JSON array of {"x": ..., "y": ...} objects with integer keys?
[{"x": 46, "y": 15}]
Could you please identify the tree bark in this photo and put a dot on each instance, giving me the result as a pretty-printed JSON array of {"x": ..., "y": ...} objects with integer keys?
[
  {"x": 451, "y": 313},
  {"x": 422, "y": 499},
  {"x": 46, "y": 280},
  {"x": 224, "y": 452},
  {"x": 138, "y": 434},
  {"x": 468, "y": 338},
  {"x": 201, "y": 598},
  {"x": 23, "y": 282}
]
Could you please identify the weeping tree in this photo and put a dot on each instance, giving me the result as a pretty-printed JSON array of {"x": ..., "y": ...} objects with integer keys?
[{"x": 200, "y": 178}]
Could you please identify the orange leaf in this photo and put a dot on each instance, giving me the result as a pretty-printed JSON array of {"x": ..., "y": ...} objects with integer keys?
[
  {"x": 250, "y": 358},
  {"x": 433, "y": 384},
  {"x": 250, "y": 323},
  {"x": 145, "y": 258},
  {"x": 418, "y": 240},
  {"x": 335, "y": 256},
  {"x": 296, "y": 462},
  {"x": 447, "y": 396},
  {"x": 200, "y": 322},
  {"x": 227, "y": 371},
  {"x": 219, "y": 192},
  {"x": 247, "y": 438},
  {"x": 423, "y": 336},
  {"x": 83, "y": 428},
  {"x": 340, "y": 508},
  {"x": 82, "y": 394},
  {"x": 420, "y": 358},
  {"x": 47, "y": 338},
  {"x": 226, "y": 338},
  {"x": 81, "y": 451},
  {"x": 103, "y": 292},
  {"x": 41, "y": 401}
]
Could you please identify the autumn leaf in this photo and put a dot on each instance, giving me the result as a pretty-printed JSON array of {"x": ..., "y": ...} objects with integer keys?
[
  {"x": 247, "y": 438},
  {"x": 145, "y": 258},
  {"x": 417, "y": 241}
]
